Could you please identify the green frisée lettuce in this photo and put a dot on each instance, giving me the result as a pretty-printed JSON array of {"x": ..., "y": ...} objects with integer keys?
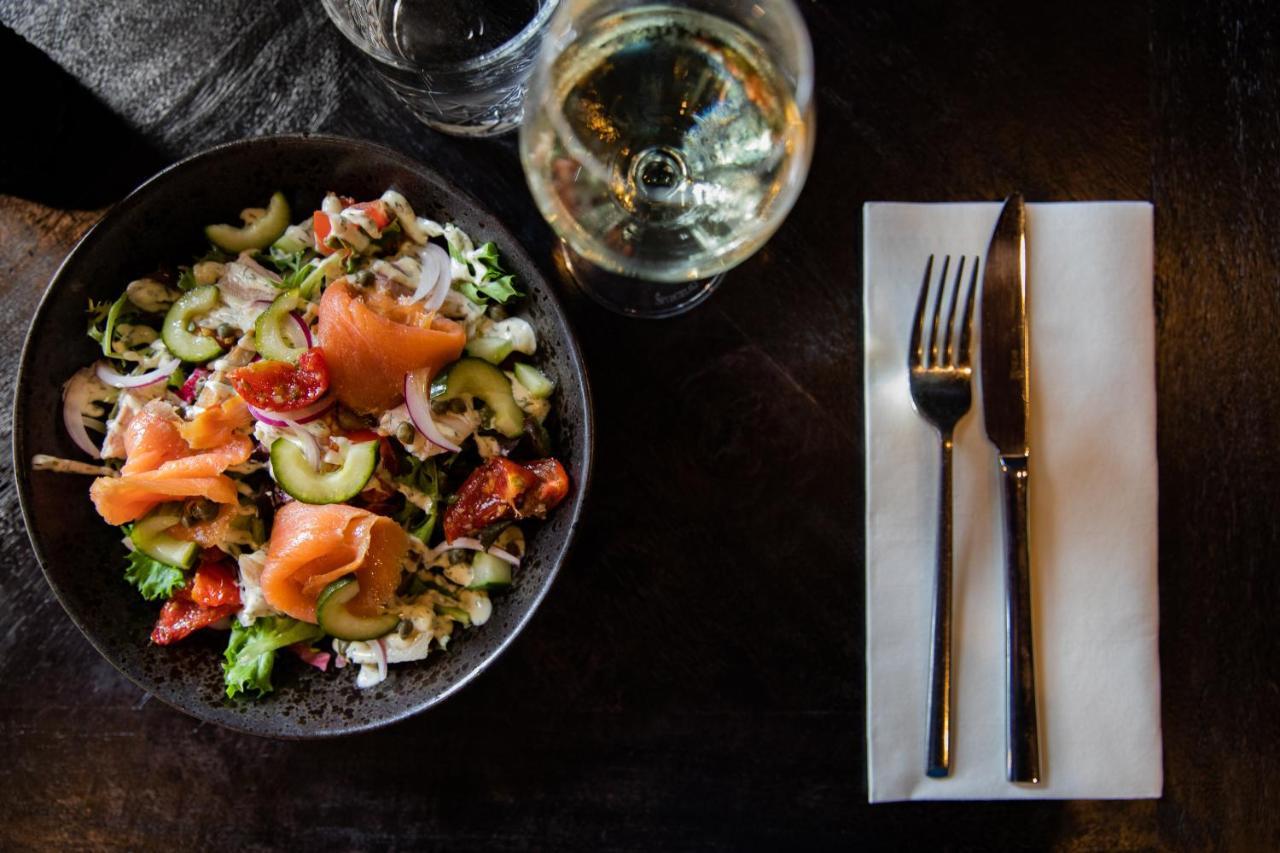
[
  {"x": 251, "y": 651},
  {"x": 421, "y": 487},
  {"x": 109, "y": 316},
  {"x": 154, "y": 579},
  {"x": 480, "y": 277}
]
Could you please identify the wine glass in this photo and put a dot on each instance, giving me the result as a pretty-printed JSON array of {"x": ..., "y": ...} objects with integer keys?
[{"x": 666, "y": 142}]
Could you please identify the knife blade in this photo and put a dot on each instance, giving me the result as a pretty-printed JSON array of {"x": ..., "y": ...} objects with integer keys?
[
  {"x": 1006, "y": 403},
  {"x": 1006, "y": 378}
]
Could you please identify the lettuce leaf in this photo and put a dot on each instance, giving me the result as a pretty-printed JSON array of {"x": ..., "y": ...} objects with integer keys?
[
  {"x": 251, "y": 651},
  {"x": 425, "y": 477},
  {"x": 155, "y": 580}
]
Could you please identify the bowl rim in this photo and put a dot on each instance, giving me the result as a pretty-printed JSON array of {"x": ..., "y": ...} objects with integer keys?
[{"x": 136, "y": 198}]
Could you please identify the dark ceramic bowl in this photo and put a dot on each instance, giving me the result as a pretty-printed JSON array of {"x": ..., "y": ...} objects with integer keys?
[{"x": 82, "y": 556}]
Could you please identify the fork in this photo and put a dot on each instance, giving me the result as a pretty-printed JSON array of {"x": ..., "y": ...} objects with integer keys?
[{"x": 941, "y": 378}]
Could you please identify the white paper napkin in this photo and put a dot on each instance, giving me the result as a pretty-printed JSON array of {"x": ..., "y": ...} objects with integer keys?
[{"x": 1093, "y": 513}]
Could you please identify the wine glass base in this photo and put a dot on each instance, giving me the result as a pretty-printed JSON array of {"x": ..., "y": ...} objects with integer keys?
[{"x": 632, "y": 297}]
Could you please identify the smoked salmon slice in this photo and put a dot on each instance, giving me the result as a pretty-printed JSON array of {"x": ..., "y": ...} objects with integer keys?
[
  {"x": 371, "y": 340},
  {"x": 217, "y": 425},
  {"x": 160, "y": 466},
  {"x": 152, "y": 438},
  {"x": 312, "y": 545}
]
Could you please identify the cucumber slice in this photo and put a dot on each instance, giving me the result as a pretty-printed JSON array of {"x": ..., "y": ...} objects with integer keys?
[
  {"x": 292, "y": 240},
  {"x": 269, "y": 330},
  {"x": 337, "y": 621},
  {"x": 475, "y": 378},
  {"x": 183, "y": 343},
  {"x": 488, "y": 571},
  {"x": 540, "y": 387},
  {"x": 492, "y": 350},
  {"x": 295, "y": 475},
  {"x": 150, "y": 538},
  {"x": 256, "y": 235}
]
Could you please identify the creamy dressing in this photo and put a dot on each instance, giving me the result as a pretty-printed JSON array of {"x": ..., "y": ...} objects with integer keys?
[
  {"x": 44, "y": 462},
  {"x": 536, "y": 407},
  {"x": 253, "y": 602},
  {"x": 416, "y": 228},
  {"x": 151, "y": 296}
]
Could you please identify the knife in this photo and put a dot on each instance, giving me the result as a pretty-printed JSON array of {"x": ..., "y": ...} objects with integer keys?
[{"x": 1006, "y": 398}]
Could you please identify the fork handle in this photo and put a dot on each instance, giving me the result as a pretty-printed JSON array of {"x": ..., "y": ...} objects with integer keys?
[
  {"x": 938, "y": 739},
  {"x": 1023, "y": 742}
]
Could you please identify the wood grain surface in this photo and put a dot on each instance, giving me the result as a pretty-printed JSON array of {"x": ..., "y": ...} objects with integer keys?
[{"x": 695, "y": 679}]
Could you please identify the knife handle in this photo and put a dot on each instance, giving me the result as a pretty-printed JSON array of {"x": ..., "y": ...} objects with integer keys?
[{"x": 1023, "y": 742}]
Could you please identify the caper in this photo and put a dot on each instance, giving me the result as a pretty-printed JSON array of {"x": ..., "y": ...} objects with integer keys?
[
  {"x": 406, "y": 433},
  {"x": 225, "y": 330},
  {"x": 404, "y": 629},
  {"x": 198, "y": 510}
]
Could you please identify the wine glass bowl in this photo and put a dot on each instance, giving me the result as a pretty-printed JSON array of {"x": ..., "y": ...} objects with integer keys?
[{"x": 665, "y": 143}]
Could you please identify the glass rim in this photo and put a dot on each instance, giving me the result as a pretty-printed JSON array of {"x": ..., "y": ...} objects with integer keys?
[{"x": 490, "y": 57}]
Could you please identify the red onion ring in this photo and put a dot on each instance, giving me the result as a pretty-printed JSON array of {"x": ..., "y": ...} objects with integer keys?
[
  {"x": 305, "y": 415},
  {"x": 417, "y": 399},
  {"x": 115, "y": 379},
  {"x": 466, "y": 543},
  {"x": 74, "y": 422},
  {"x": 433, "y": 281},
  {"x": 303, "y": 328}
]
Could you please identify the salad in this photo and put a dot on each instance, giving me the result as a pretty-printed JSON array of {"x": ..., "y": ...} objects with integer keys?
[{"x": 322, "y": 437}]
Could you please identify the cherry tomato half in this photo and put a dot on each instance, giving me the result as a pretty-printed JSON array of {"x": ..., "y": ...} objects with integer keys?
[
  {"x": 501, "y": 489},
  {"x": 282, "y": 387}
]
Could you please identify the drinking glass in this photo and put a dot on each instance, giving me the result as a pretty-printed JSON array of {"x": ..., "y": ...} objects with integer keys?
[
  {"x": 461, "y": 66},
  {"x": 666, "y": 142}
]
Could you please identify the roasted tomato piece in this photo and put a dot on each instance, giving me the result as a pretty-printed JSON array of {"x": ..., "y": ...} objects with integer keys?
[
  {"x": 552, "y": 486},
  {"x": 321, "y": 225},
  {"x": 279, "y": 386},
  {"x": 492, "y": 493},
  {"x": 375, "y": 210},
  {"x": 181, "y": 616},
  {"x": 214, "y": 583}
]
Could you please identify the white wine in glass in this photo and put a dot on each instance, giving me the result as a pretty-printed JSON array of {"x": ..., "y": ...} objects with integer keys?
[{"x": 666, "y": 142}]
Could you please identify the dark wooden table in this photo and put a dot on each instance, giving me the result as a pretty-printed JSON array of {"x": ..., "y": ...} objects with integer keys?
[{"x": 695, "y": 681}]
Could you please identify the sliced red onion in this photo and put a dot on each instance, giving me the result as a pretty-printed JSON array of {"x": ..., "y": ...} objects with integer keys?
[
  {"x": 506, "y": 556},
  {"x": 417, "y": 399},
  {"x": 260, "y": 415},
  {"x": 433, "y": 281},
  {"x": 339, "y": 662},
  {"x": 115, "y": 379},
  {"x": 466, "y": 543},
  {"x": 301, "y": 327},
  {"x": 74, "y": 422},
  {"x": 380, "y": 655},
  {"x": 305, "y": 415}
]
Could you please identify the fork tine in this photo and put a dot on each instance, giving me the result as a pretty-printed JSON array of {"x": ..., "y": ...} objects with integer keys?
[
  {"x": 967, "y": 329},
  {"x": 949, "y": 353},
  {"x": 937, "y": 309},
  {"x": 915, "y": 356}
]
